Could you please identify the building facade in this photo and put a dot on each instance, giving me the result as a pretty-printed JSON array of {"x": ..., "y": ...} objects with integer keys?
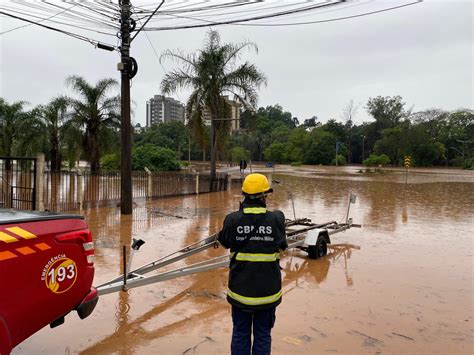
[
  {"x": 234, "y": 118},
  {"x": 163, "y": 109}
]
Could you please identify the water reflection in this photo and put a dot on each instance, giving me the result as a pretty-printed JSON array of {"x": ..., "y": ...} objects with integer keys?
[
  {"x": 380, "y": 202},
  {"x": 316, "y": 271},
  {"x": 204, "y": 298}
]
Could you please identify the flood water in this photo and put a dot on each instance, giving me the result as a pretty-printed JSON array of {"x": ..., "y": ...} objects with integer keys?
[{"x": 403, "y": 283}]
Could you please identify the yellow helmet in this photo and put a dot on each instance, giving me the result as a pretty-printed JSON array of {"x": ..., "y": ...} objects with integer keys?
[{"x": 256, "y": 184}]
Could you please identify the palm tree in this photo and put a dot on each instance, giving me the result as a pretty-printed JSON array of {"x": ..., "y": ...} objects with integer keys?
[
  {"x": 94, "y": 115},
  {"x": 12, "y": 122},
  {"x": 211, "y": 73},
  {"x": 52, "y": 121}
]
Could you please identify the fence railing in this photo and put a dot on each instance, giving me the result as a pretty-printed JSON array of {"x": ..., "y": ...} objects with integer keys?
[
  {"x": 17, "y": 183},
  {"x": 65, "y": 191}
]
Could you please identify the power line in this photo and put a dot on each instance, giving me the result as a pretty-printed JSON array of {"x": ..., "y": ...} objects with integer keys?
[
  {"x": 141, "y": 28},
  {"x": 329, "y": 20},
  {"x": 41, "y": 19},
  {"x": 74, "y": 35},
  {"x": 44, "y": 10},
  {"x": 255, "y": 18},
  {"x": 238, "y": 22},
  {"x": 17, "y": 28}
]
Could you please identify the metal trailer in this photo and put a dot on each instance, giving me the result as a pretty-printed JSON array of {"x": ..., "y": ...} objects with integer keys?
[{"x": 301, "y": 233}]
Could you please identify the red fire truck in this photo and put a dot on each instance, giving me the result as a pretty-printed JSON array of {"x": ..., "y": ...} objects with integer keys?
[{"x": 46, "y": 271}]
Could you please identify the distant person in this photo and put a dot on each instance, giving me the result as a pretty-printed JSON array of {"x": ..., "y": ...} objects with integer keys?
[
  {"x": 255, "y": 237},
  {"x": 243, "y": 165}
]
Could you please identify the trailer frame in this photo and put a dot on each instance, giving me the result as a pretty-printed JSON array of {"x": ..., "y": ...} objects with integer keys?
[{"x": 301, "y": 233}]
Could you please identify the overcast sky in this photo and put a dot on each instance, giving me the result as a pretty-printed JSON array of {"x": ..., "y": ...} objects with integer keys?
[{"x": 423, "y": 53}]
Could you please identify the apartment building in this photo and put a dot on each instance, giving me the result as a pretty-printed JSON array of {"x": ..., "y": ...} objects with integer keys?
[
  {"x": 234, "y": 117},
  {"x": 163, "y": 109}
]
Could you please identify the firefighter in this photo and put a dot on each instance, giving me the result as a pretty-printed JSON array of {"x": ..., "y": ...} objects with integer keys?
[{"x": 255, "y": 237}]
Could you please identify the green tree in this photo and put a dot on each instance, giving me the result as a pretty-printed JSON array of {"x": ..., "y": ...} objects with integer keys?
[
  {"x": 238, "y": 153},
  {"x": 297, "y": 145},
  {"x": 211, "y": 73},
  {"x": 375, "y": 159},
  {"x": 110, "y": 161},
  {"x": 276, "y": 152},
  {"x": 321, "y": 147},
  {"x": 172, "y": 135},
  {"x": 51, "y": 121},
  {"x": 154, "y": 158},
  {"x": 388, "y": 112},
  {"x": 311, "y": 122},
  {"x": 276, "y": 115},
  {"x": 94, "y": 114},
  {"x": 394, "y": 143},
  {"x": 12, "y": 125}
]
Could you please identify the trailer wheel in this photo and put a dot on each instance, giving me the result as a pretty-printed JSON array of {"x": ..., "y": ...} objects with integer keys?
[{"x": 318, "y": 250}]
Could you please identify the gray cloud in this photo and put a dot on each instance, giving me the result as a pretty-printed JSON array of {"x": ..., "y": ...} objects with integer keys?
[{"x": 423, "y": 53}]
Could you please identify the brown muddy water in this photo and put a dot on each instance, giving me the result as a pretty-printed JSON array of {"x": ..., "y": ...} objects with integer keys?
[{"x": 403, "y": 283}]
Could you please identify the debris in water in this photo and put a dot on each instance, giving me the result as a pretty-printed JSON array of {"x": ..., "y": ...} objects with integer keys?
[{"x": 403, "y": 336}]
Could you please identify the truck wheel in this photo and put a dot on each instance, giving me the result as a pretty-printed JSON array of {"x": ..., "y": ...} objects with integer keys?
[{"x": 318, "y": 250}]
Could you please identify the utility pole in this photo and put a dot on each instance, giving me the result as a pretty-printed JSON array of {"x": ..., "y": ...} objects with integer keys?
[{"x": 125, "y": 67}]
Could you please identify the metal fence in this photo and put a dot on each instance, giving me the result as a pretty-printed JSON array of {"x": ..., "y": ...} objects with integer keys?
[
  {"x": 18, "y": 183},
  {"x": 65, "y": 191}
]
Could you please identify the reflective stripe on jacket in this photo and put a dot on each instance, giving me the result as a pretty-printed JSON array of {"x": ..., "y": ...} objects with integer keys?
[{"x": 255, "y": 237}]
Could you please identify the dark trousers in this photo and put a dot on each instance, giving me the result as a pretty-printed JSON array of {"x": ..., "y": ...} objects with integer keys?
[{"x": 261, "y": 321}]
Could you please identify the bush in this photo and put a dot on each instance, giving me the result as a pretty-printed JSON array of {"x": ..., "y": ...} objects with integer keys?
[
  {"x": 154, "y": 158},
  {"x": 341, "y": 160},
  {"x": 375, "y": 160},
  {"x": 296, "y": 163},
  {"x": 110, "y": 162},
  {"x": 276, "y": 152},
  {"x": 238, "y": 153}
]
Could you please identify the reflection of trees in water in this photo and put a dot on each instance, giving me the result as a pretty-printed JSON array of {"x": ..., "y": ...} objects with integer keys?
[{"x": 384, "y": 200}]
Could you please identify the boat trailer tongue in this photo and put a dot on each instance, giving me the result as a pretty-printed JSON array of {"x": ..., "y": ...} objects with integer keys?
[{"x": 301, "y": 233}]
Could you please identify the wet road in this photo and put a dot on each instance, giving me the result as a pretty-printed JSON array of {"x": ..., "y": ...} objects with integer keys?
[{"x": 403, "y": 283}]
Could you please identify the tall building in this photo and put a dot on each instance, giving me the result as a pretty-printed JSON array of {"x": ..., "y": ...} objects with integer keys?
[
  {"x": 163, "y": 109},
  {"x": 234, "y": 112}
]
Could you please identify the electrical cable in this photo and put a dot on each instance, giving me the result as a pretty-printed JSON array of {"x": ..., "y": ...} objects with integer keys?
[
  {"x": 255, "y": 18},
  {"x": 330, "y": 20},
  {"x": 238, "y": 22},
  {"x": 70, "y": 16},
  {"x": 17, "y": 28},
  {"x": 55, "y": 21},
  {"x": 74, "y": 35},
  {"x": 141, "y": 28}
]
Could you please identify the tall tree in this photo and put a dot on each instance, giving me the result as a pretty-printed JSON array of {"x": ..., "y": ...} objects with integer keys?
[
  {"x": 12, "y": 119},
  {"x": 51, "y": 121},
  {"x": 211, "y": 73},
  {"x": 348, "y": 113},
  {"x": 388, "y": 111},
  {"x": 94, "y": 114}
]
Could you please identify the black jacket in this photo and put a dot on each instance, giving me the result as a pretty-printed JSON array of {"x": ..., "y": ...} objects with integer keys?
[{"x": 255, "y": 237}]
